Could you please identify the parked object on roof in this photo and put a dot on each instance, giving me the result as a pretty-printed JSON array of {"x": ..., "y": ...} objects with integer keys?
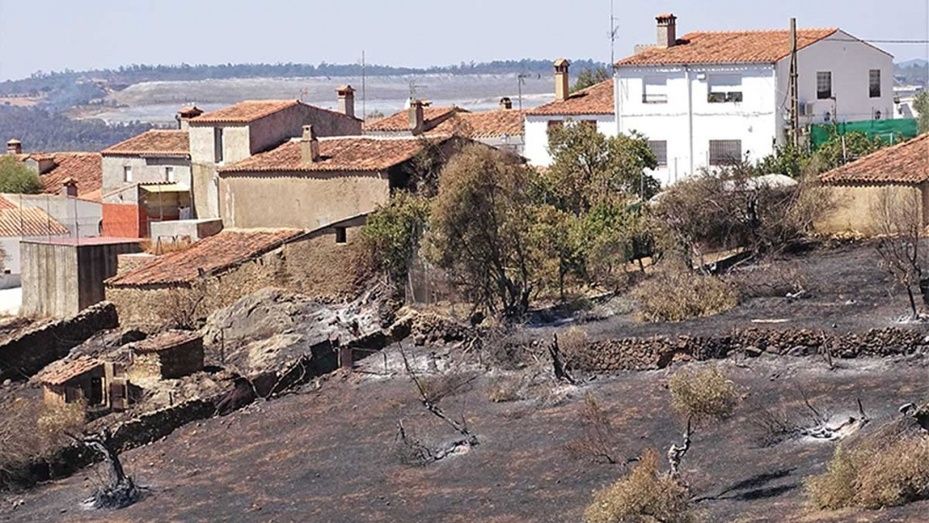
[{"x": 900, "y": 171}]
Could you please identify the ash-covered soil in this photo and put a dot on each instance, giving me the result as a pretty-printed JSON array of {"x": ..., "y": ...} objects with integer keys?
[{"x": 327, "y": 454}]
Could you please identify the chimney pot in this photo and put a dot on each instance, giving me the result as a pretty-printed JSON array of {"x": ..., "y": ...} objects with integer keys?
[
  {"x": 667, "y": 30},
  {"x": 14, "y": 146},
  {"x": 506, "y": 103},
  {"x": 309, "y": 145},
  {"x": 186, "y": 114},
  {"x": 561, "y": 79},
  {"x": 347, "y": 100},
  {"x": 417, "y": 118},
  {"x": 69, "y": 188}
]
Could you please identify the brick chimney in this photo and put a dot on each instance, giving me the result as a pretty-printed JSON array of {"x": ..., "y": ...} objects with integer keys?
[
  {"x": 185, "y": 115},
  {"x": 69, "y": 188},
  {"x": 347, "y": 100},
  {"x": 309, "y": 146},
  {"x": 14, "y": 146},
  {"x": 561, "y": 79},
  {"x": 417, "y": 119},
  {"x": 667, "y": 30},
  {"x": 506, "y": 103}
]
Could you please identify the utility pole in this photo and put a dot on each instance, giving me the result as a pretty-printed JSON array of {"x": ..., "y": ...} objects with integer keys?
[
  {"x": 794, "y": 104},
  {"x": 520, "y": 78}
]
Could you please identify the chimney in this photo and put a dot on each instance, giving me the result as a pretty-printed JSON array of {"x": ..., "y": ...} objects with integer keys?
[
  {"x": 667, "y": 30},
  {"x": 347, "y": 100},
  {"x": 185, "y": 114},
  {"x": 417, "y": 119},
  {"x": 506, "y": 103},
  {"x": 561, "y": 79},
  {"x": 14, "y": 146},
  {"x": 69, "y": 188},
  {"x": 309, "y": 146}
]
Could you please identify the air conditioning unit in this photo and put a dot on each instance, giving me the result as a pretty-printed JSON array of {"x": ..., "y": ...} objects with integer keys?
[{"x": 805, "y": 108}]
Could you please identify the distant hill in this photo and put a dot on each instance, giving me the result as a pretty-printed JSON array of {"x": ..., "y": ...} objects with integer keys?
[
  {"x": 41, "y": 130},
  {"x": 912, "y": 72},
  {"x": 65, "y": 89}
]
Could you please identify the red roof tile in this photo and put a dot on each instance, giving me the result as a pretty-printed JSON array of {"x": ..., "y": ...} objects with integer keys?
[
  {"x": 210, "y": 255},
  {"x": 350, "y": 153},
  {"x": 906, "y": 163},
  {"x": 400, "y": 121},
  {"x": 156, "y": 142},
  {"x": 62, "y": 371},
  {"x": 596, "y": 99},
  {"x": 244, "y": 112},
  {"x": 483, "y": 124},
  {"x": 16, "y": 221},
  {"x": 84, "y": 168},
  {"x": 726, "y": 47}
]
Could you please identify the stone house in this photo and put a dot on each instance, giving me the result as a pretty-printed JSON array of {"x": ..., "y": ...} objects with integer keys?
[
  {"x": 310, "y": 182},
  {"x": 84, "y": 379},
  {"x": 55, "y": 169},
  {"x": 146, "y": 178},
  {"x": 234, "y": 133},
  {"x": 214, "y": 272},
  {"x": 857, "y": 187},
  {"x": 169, "y": 355}
]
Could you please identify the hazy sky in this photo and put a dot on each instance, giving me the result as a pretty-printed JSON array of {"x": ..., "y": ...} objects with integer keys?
[{"x": 81, "y": 34}]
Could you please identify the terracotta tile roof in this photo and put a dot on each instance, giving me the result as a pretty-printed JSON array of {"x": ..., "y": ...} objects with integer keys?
[
  {"x": 596, "y": 99},
  {"x": 400, "y": 121},
  {"x": 84, "y": 168},
  {"x": 244, "y": 112},
  {"x": 726, "y": 47},
  {"x": 483, "y": 124},
  {"x": 165, "y": 341},
  {"x": 906, "y": 163},
  {"x": 16, "y": 222},
  {"x": 210, "y": 256},
  {"x": 62, "y": 371},
  {"x": 156, "y": 142},
  {"x": 348, "y": 153}
]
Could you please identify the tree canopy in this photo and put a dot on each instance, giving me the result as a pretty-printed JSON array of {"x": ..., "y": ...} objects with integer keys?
[{"x": 15, "y": 177}]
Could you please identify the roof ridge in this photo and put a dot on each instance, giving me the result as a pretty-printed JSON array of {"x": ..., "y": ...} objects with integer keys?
[{"x": 769, "y": 30}]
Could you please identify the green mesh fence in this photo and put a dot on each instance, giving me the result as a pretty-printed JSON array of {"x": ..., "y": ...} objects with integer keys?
[{"x": 889, "y": 131}]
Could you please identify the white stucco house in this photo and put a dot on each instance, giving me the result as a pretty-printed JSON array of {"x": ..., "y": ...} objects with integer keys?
[
  {"x": 591, "y": 106},
  {"x": 710, "y": 98}
]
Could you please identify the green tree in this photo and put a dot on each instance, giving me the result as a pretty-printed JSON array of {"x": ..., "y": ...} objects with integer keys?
[
  {"x": 589, "y": 168},
  {"x": 787, "y": 159},
  {"x": 841, "y": 149},
  {"x": 589, "y": 77},
  {"x": 392, "y": 233},
  {"x": 15, "y": 177},
  {"x": 921, "y": 104},
  {"x": 480, "y": 229}
]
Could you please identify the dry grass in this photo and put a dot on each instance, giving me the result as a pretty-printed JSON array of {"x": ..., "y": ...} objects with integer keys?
[
  {"x": 677, "y": 295},
  {"x": 644, "y": 494},
  {"x": 55, "y": 422},
  {"x": 600, "y": 441},
  {"x": 874, "y": 477},
  {"x": 31, "y": 430},
  {"x": 164, "y": 246},
  {"x": 703, "y": 394},
  {"x": 505, "y": 389}
]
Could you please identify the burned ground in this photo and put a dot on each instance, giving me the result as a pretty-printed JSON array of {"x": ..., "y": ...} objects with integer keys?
[{"x": 327, "y": 454}]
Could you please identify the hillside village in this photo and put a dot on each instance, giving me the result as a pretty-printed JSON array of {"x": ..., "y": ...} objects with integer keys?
[{"x": 695, "y": 287}]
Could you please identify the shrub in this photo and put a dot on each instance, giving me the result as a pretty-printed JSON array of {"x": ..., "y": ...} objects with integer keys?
[
  {"x": 644, "y": 494},
  {"x": 392, "y": 233},
  {"x": 874, "y": 477},
  {"x": 18, "y": 440},
  {"x": 703, "y": 394},
  {"x": 15, "y": 177},
  {"x": 505, "y": 389},
  {"x": 600, "y": 441},
  {"x": 56, "y": 421},
  {"x": 676, "y": 295}
]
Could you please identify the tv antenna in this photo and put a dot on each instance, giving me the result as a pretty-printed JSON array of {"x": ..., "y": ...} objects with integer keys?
[
  {"x": 614, "y": 30},
  {"x": 520, "y": 80}
]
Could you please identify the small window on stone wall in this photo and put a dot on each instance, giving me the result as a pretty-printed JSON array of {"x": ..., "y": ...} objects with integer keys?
[{"x": 340, "y": 235}]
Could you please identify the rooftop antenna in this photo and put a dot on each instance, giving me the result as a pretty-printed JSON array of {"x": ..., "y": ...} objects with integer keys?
[
  {"x": 364, "y": 94},
  {"x": 520, "y": 80},
  {"x": 614, "y": 30}
]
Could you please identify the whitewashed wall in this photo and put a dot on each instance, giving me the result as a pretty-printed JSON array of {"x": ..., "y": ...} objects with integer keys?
[{"x": 535, "y": 148}]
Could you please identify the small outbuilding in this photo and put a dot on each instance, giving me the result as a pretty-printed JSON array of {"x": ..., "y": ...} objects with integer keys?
[
  {"x": 900, "y": 171},
  {"x": 70, "y": 381},
  {"x": 169, "y": 355}
]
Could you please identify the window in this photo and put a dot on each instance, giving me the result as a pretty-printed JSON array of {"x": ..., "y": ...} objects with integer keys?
[
  {"x": 127, "y": 173},
  {"x": 724, "y": 88},
  {"x": 823, "y": 85},
  {"x": 725, "y": 152},
  {"x": 655, "y": 90},
  {"x": 660, "y": 150},
  {"x": 218, "y": 144},
  {"x": 874, "y": 83},
  {"x": 169, "y": 174},
  {"x": 340, "y": 235}
]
